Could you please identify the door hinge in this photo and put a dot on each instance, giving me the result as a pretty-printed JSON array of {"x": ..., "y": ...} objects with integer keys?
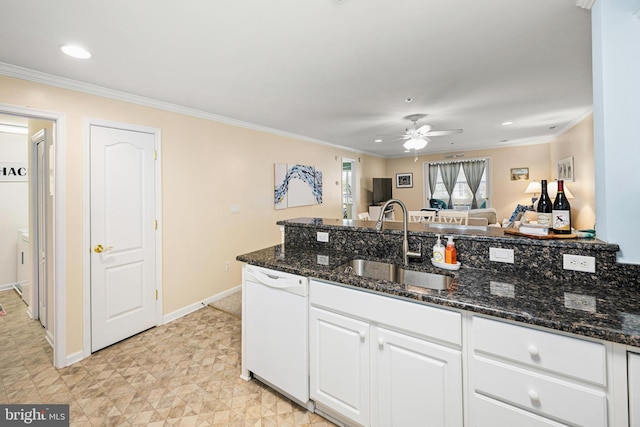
[
  {"x": 156, "y": 294},
  {"x": 155, "y": 224},
  {"x": 155, "y": 154}
]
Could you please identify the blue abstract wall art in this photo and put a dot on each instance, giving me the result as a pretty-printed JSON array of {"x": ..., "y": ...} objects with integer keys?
[{"x": 297, "y": 185}]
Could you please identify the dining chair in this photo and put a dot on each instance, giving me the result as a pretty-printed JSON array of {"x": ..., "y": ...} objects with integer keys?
[{"x": 453, "y": 217}]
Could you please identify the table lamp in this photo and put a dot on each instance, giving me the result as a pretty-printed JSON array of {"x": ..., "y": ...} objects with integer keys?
[{"x": 533, "y": 188}]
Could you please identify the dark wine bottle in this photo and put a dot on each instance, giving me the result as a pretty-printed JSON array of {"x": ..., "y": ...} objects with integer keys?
[
  {"x": 544, "y": 206},
  {"x": 561, "y": 212}
]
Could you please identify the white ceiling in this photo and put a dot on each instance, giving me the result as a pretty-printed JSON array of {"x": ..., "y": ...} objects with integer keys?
[{"x": 335, "y": 71}]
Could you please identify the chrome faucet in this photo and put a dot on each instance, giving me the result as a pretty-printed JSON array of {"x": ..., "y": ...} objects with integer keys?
[{"x": 406, "y": 253}]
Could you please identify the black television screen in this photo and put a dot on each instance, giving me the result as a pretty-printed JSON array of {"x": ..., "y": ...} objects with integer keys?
[{"x": 382, "y": 188}]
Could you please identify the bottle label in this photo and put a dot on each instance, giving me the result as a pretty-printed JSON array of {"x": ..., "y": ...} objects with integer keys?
[
  {"x": 562, "y": 220},
  {"x": 437, "y": 256},
  {"x": 544, "y": 218}
]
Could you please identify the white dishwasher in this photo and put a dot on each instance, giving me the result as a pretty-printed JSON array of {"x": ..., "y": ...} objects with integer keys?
[{"x": 274, "y": 331}]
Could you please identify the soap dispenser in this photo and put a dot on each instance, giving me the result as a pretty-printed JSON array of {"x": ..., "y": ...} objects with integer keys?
[
  {"x": 438, "y": 251},
  {"x": 450, "y": 251}
]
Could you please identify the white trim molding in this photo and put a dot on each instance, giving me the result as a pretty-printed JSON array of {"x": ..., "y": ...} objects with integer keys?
[
  {"x": 65, "y": 83},
  {"x": 174, "y": 315},
  {"x": 59, "y": 225},
  {"x": 585, "y": 4}
]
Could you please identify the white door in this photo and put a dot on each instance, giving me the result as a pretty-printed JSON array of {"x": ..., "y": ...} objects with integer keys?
[
  {"x": 339, "y": 364},
  {"x": 418, "y": 383},
  {"x": 123, "y": 235}
]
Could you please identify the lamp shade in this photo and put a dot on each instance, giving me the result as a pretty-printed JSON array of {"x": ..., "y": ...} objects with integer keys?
[
  {"x": 533, "y": 187},
  {"x": 552, "y": 189}
]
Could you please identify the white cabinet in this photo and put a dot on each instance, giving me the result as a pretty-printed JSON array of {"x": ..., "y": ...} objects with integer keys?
[
  {"x": 339, "y": 369},
  {"x": 379, "y": 361},
  {"x": 525, "y": 376},
  {"x": 418, "y": 382},
  {"x": 634, "y": 389}
]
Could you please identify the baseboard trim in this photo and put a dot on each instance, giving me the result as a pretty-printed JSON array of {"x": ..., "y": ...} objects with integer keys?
[
  {"x": 170, "y": 317},
  {"x": 78, "y": 356},
  {"x": 7, "y": 286},
  {"x": 74, "y": 358}
]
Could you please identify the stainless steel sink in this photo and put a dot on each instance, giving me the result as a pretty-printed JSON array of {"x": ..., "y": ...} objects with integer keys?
[{"x": 394, "y": 273}]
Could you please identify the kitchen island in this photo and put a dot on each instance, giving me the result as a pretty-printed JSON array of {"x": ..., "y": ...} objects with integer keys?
[{"x": 532, "y": 338}]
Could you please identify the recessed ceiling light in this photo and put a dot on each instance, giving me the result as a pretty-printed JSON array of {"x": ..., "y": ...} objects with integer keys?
[
  {"x": 507, "y": 123},
  {"x": 408, "y": 100},
  {"x": 377, "y": 140},
  {"x": 75, "y": 51}
]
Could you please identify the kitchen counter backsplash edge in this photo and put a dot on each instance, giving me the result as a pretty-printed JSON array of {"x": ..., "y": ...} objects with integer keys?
[{"x": 532, "y": 257}]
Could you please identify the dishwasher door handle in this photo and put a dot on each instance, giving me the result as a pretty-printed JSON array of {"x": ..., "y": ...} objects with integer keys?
[{"x": 274, "y": 281}]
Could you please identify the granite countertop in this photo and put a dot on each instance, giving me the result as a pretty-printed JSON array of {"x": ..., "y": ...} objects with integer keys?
[{"x": 609, "y": 311}]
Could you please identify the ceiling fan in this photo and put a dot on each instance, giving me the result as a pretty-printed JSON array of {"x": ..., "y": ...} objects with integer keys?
[{"x": 417, "y": 137}]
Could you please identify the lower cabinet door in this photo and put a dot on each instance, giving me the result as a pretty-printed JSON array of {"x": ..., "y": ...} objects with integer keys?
[
  {"x": 634, "y": 389},
  {"x": 339, "y": 364},
  {"x": 418, "y": 383}
]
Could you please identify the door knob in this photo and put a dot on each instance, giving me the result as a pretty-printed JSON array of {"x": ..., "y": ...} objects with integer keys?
[{"x": 99, "y": 248}]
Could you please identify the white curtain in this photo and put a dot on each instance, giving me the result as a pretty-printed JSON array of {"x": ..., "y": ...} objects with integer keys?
[
  {"x": 433, "y": 178},
  {"x": 473, "y": 171}
]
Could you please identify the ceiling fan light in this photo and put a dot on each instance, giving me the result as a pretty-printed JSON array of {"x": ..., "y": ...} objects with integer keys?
[{"x": 415, "y": 144}]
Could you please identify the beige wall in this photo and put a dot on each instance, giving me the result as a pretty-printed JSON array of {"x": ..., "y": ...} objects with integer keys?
[
  {"x": 541, "y": 159},
  {"x": 505, "y": 194},
  {"x": 206, "y": 166},
  {"x": 577, "y": 142}
]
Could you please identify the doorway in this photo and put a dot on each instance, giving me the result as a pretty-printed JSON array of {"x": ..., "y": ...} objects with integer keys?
[
  {"x": 349, "y": 189},
  {"x": 56, "y": 219}
]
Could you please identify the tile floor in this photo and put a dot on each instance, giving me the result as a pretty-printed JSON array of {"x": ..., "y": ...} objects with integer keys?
[{"x": 183, "y": 373}]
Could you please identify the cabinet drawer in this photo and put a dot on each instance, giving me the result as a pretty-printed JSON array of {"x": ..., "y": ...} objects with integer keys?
[
  {"x": 556, "y": 353},
  {"x": 418, "y": 319},
  {"x": 492, "y": 413},
  {"x": 546, "y": 396}
]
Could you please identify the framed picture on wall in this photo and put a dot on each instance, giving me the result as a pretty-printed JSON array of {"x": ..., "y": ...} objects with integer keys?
[
  {"x": 565, "y": 169},
  {"x": 404, "y": 180},
  {"x": 519, "y": 174}
]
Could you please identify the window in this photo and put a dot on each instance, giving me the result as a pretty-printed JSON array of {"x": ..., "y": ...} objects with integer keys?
[{"x": 462, "y": 195}]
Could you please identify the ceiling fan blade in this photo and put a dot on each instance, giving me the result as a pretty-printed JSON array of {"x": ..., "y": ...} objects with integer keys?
[
  {"x": 443, "y": 132},
  {"x": 423, "y": 129}
]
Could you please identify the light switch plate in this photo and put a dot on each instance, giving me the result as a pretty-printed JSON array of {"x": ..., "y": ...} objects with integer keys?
[
  {"x": 322, "y": 236},
  {"x": 501, "y": 255}
]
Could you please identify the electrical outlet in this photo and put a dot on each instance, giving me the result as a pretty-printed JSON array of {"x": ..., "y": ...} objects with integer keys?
[
  {"x": 227, "y": 266},
  {"x": 322, "y": 236},
  {"x": 501, "y": 255},
  {"x": 579, "y": 263}
]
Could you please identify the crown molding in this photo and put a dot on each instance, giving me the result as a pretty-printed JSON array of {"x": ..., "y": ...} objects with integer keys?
[{"x": 70, "y": 84}]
